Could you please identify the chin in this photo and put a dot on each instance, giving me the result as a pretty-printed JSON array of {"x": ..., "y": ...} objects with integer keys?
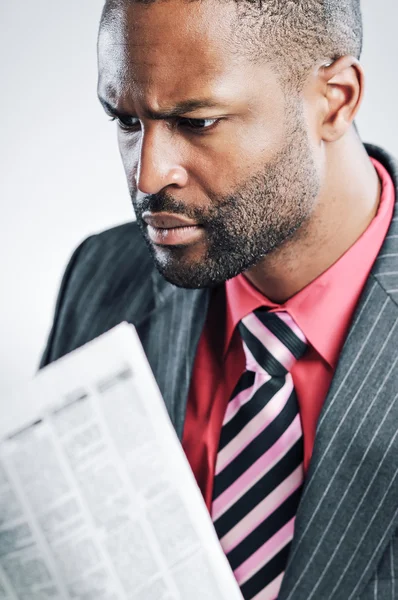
[
  {"x": 206, "y": 274},
  {"x": 180, "y": 268},
  {"x": 183, "y": 280}
]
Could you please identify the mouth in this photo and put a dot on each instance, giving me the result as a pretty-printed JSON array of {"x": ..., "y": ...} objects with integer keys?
[{"x": 167, "y": 229}]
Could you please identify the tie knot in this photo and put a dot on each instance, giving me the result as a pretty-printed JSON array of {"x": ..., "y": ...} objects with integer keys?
[{"x": 272, "y": 341}]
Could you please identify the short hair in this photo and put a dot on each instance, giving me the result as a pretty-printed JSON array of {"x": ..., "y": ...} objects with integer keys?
[{"x": 295, "y": 35}]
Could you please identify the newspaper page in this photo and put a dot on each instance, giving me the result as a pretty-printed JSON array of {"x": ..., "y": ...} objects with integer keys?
[{"x": 97, "y": 499}]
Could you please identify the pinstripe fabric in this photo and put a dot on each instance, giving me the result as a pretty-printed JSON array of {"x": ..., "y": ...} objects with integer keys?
[
  {"x": 111, "y": 278},
  {"x": 344, "y": 545}
]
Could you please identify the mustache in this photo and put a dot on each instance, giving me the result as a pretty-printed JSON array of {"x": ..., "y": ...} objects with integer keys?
[{"x": 164, "y": 202}]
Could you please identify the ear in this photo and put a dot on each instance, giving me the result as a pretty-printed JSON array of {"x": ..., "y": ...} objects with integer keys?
[{"x": 342, "y": 88}]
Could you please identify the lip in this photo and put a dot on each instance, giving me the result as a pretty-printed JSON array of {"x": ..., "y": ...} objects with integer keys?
[
  {"x": 164, "y": 220},
  {"x": 167, "y": 229}
]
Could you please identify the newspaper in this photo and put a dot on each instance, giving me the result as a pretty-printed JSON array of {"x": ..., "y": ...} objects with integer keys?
[{"x": 97, "y": 499}]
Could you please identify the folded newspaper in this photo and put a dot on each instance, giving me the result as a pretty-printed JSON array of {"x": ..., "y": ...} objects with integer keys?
[{"x": 97, "y": 499}]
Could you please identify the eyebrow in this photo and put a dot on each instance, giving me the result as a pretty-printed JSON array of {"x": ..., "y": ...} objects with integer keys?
[{"x": 179, "y": 109}]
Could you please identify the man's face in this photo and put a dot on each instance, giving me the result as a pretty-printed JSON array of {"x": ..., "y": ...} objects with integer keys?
[{"x": 218, "y": 156}]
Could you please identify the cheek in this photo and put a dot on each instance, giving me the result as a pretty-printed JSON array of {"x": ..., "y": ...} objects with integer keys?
[
  {"x": 316, "y": 146},
  {"x": 224, "y": 164},
  {"x": 129, "y": 148}
]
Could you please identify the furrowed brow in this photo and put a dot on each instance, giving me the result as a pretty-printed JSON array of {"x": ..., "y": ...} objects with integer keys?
[
  {"x": 181, "y": 108},
  {"x": 178, "y": 110}
]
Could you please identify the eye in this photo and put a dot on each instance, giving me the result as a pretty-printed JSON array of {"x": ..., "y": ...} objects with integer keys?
[
  {"x": 127, "y": 123},
  {"x": 198, "y": 124},
  {"x": 133, "y": 123}
]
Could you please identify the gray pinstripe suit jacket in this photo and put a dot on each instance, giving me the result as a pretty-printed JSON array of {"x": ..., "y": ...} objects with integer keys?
[{"x": 346, "y": 538}]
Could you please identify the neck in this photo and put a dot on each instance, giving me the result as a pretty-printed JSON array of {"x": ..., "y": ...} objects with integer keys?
[{"x": 345, "y": 207}]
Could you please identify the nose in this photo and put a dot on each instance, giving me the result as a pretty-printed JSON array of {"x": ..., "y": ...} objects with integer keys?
[{"x": 159, "y": 162}]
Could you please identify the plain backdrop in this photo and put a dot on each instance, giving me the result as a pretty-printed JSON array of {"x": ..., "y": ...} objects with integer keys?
[{"x": 61, "y": 176}]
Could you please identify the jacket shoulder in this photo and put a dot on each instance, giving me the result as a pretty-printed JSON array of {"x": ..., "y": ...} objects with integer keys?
[
  {"x": 107, "y": 281},
  {"x": 385, "y": 269}
]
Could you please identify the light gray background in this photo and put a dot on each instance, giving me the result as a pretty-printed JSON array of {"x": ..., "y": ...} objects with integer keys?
[{"x": 61, "y": 176}]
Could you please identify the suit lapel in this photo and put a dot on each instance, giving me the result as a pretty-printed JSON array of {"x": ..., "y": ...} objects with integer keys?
[
  {"x": 170, "y": 334},
  {"x": 349, "y": 507}
]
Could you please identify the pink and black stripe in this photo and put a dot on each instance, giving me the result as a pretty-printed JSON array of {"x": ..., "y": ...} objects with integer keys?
[{"x": 259, "y": 467}]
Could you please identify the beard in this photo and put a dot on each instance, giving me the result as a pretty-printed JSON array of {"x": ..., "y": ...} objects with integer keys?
[{"x": 245, "y": 226}]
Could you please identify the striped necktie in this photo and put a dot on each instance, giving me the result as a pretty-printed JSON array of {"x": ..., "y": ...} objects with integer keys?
[{"x": 259, "y": 467}]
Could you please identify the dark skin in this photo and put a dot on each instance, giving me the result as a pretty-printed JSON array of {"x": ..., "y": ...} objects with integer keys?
[{"x": 148, "y": 68}]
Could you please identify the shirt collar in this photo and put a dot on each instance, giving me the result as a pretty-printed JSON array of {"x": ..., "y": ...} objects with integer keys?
[{"x": 324, "y": 308}]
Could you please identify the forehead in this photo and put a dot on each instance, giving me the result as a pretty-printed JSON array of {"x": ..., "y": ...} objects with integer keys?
[{"x": 167, "y": 49}]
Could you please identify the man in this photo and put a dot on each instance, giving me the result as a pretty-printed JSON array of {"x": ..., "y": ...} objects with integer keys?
[{"x": 262, "y": 278}]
